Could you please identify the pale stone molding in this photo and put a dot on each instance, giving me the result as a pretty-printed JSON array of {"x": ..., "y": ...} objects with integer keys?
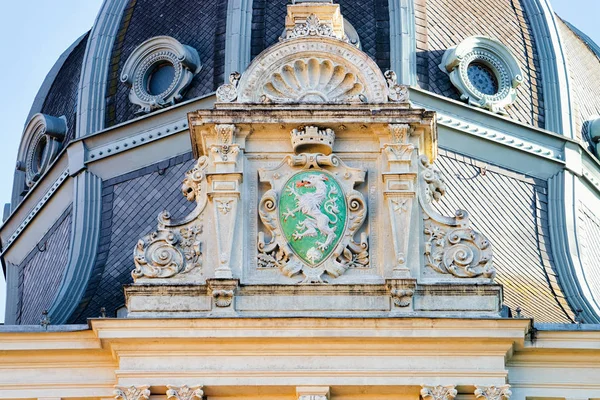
[
  {"x": 91, "y": 100},
  {"x": 185, "y": 392},
  {"x": 132, "y": 392},
  {"x": 558, "y": 113},
  {"x": 238, "y": 35},
  {"x": 439, "y": 392},
  {"x": 497, "y": 58},
  {"x": 563, "y": 219},
  {"x": 148, "y": 56},
  {"x": 493, "y": 392},
  {"x": 451, "y": 245},
  {"x": 85, "y": 234},
  {"x": 403, "y": 42},
  {"x": 40, "y": 145}
]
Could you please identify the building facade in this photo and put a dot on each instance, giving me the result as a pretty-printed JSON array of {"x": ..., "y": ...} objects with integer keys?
[{"x": 313, "y": 200}]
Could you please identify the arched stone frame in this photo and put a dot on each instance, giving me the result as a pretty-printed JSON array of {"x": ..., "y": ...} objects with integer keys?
[
  {"x": 146, "y": 59},
  {"x": 496, "y": 58},
  {"x": 40, "y": 144},
  {"x": 358, "y": 78}
]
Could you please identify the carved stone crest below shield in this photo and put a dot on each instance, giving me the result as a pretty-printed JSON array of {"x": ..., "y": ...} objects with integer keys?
[{"x": 312, "y": 212}]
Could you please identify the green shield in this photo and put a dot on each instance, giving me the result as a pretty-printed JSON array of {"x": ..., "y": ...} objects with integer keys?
[{"x": 312, "y": 213}]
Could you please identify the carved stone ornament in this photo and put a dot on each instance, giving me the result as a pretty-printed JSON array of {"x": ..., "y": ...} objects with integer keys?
[
  {"x": 175, "y": 248},
  {"x": 451, "y": 245},
  {"x": 132, "y": 393},
  {"x": 185, "y": 392},
  {"x": 312, "y": 27},
  {"x": 396, "y": 92},
  {"x": 42, "y": 141},
  {"x": 308, "y": 70},
  {"x": 150, "y": 66},
  {"x": 484, "y": 71},
  {"x": 438, "y": 392},
  {"x": 493, "y": 392},
  {"x": 402, "y": 297},
  {"x": 228, "y": 93},
  {"x": 312, "y": 213},
  {"x": 223, "y": 298}
]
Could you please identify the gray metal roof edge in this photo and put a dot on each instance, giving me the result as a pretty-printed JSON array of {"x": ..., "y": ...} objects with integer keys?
[
  {"x": 41, "y": 329},
  {"x": 547, "y": 326}
]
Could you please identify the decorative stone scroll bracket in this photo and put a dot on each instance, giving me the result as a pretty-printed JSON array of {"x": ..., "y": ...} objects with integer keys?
[
  {"x": 175, "y": 248},
  {"x": 132, "y": 392},
  {"x": 493, "y": 392},
  {"x": 451, "y": 246},
  {"x": 439, "y": 392},
  {"x": 185, "y": 392}
]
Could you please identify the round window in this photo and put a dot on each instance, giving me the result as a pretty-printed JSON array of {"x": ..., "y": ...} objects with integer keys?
[
  {"x": 38, "y": 155},
  {"x": 160, "y": 78},
  {"x": 483, "y": 78}
]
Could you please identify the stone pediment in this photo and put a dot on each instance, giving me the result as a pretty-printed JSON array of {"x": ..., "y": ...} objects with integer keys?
[{"x": 314, "y": 184}]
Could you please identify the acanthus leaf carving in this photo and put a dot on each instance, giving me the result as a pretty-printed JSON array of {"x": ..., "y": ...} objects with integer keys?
[
  {"x": 185, "y": 392},
  {"x": 132, "y": 392},
  {"x": 493, "y": 392},
  {"x": 439, "y": 392},
  {"x": 451, "y": 245},
  {"x": 312, "y": 27},
  {"x": 175, "y": 247}
]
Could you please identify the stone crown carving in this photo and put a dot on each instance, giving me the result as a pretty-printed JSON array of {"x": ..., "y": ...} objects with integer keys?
[
  {"x": 144, "y": 62},
  {"x": 496, "y": 60},
  {"x": 439, "y": 392},
  {"x": 312, "y": 139},
  {"x": 41, "y": 143}
]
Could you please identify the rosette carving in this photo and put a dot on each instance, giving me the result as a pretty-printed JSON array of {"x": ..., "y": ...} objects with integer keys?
[
  {"x": 175, "y": 247},
  {"x": 451, "y": 245},
  {"x": 396, "y": 92},
  {"x": 228, "y": 93}
]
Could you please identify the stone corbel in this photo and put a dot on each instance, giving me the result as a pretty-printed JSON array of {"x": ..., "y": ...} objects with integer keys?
[
  {"x": 399, "y": 193},
  {"x": 493, "y": 392},
  {"x": 401, "y": 293},
  {"x": 439, "y": 392},
  {"x": 185, "y": 392},
  {"x": 132, "y": 392},
  {"x": 312, "y": 392},
  {"x": 223, "y": 294},
  {"x": 224, "y": 191}
]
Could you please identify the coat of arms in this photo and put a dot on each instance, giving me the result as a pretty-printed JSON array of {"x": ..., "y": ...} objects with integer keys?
[{"x": 312, "y": 211}]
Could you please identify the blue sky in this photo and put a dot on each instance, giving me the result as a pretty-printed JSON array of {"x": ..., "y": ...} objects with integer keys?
[{"x": 36, "y": 32}]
